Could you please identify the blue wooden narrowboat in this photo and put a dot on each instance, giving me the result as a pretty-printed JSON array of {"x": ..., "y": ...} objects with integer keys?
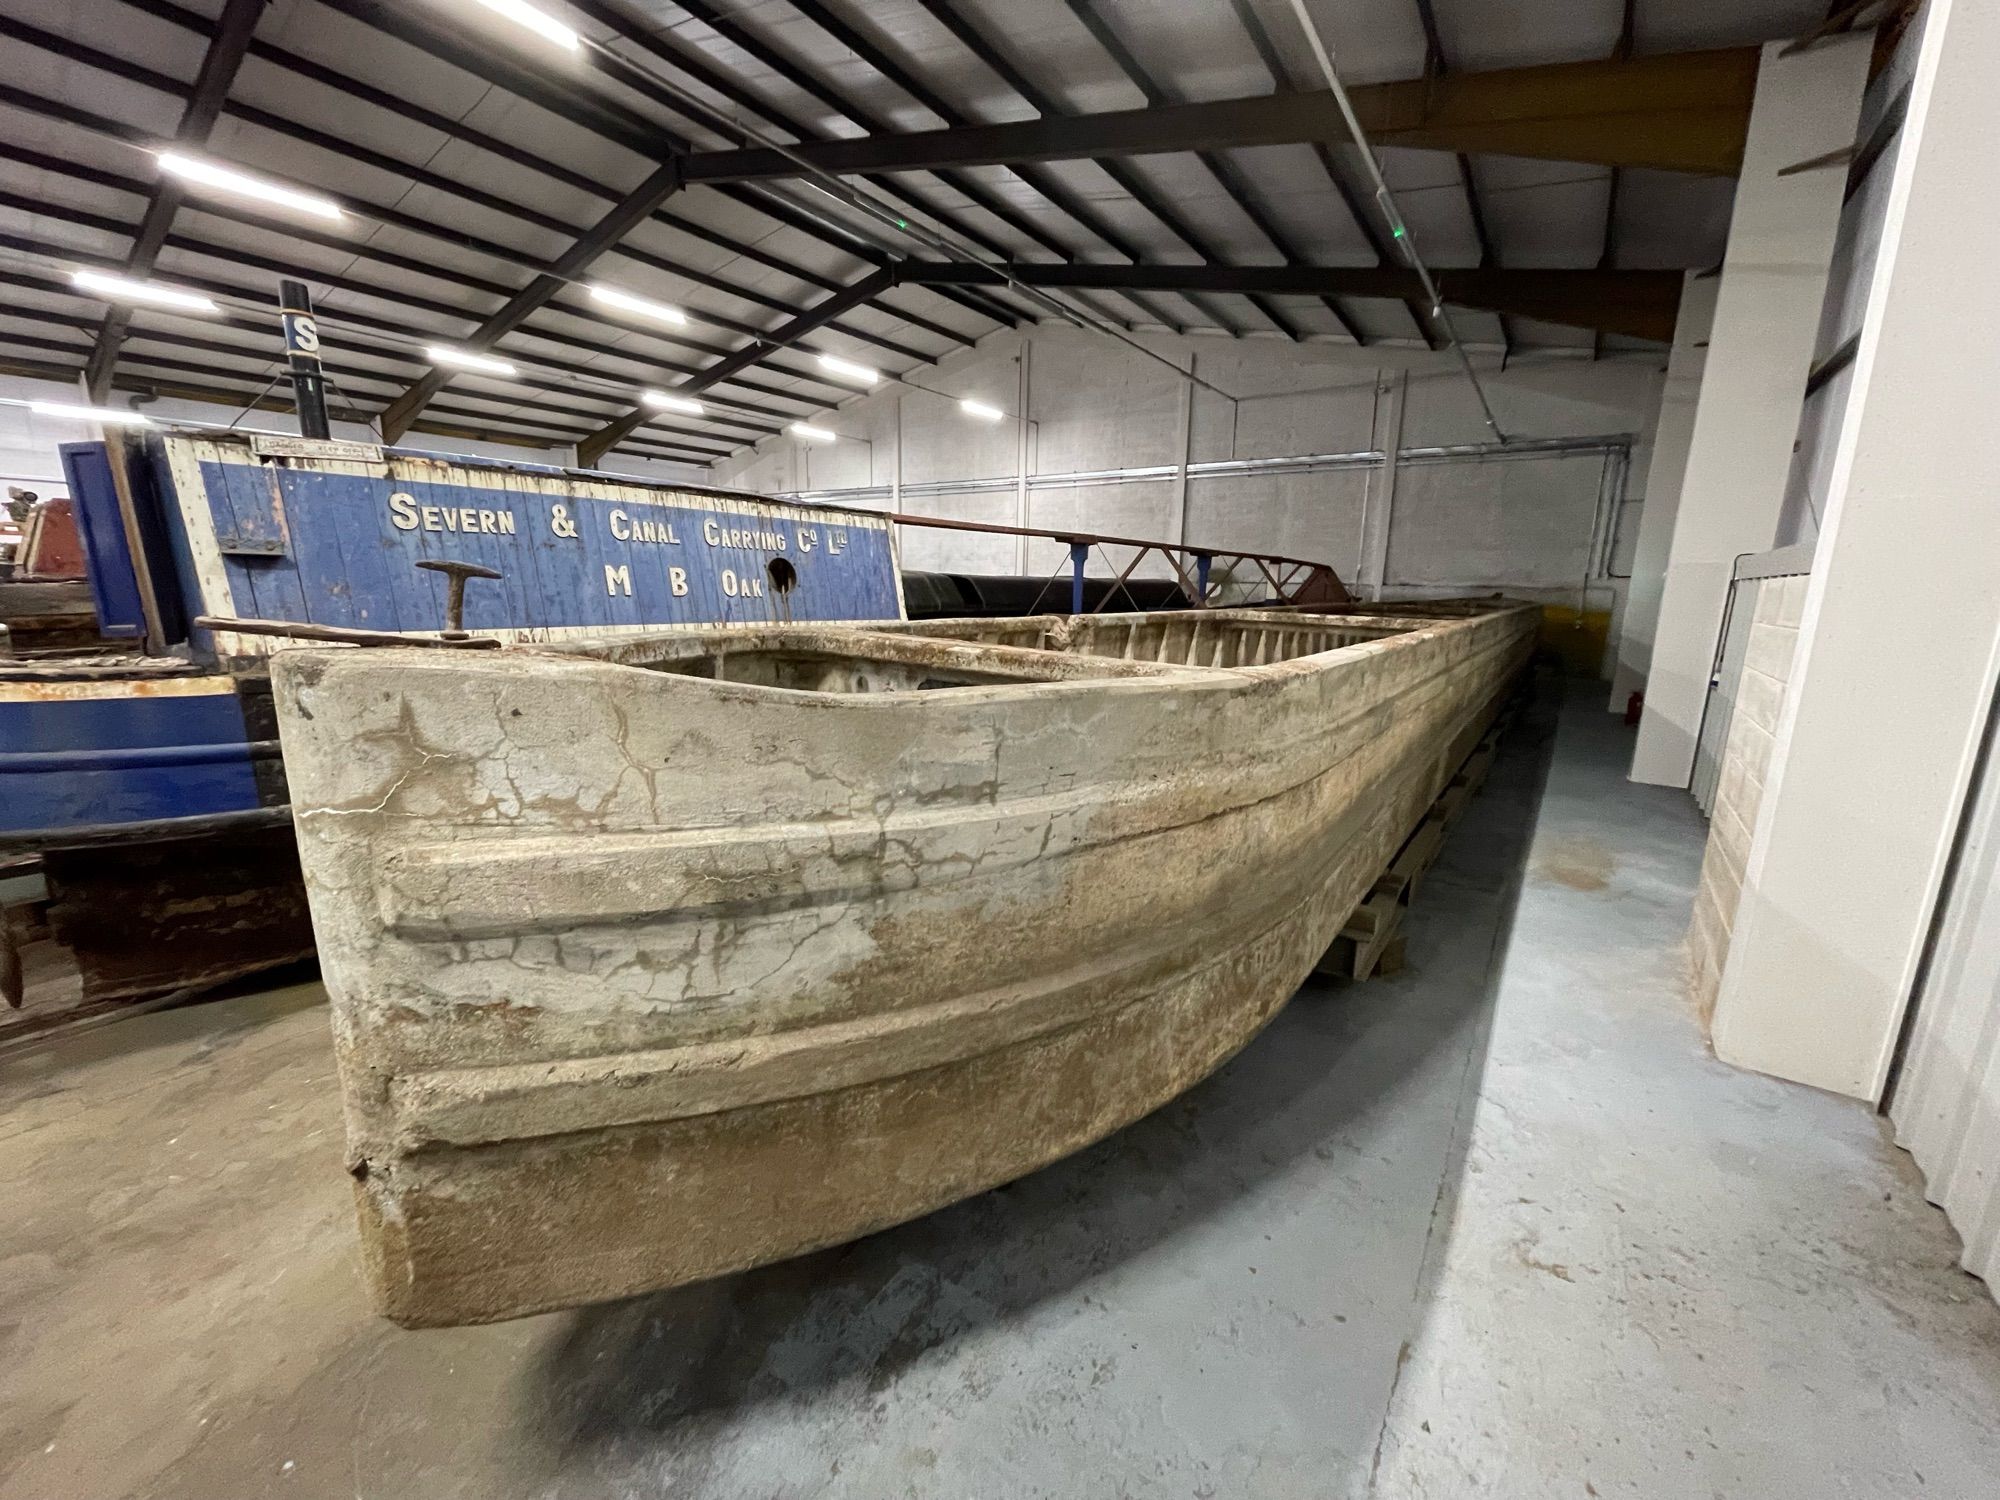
[{"x": 205, "y": 549}]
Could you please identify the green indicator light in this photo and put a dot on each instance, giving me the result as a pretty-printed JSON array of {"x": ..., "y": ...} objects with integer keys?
[
  {"x": 1398, "y": 232},
  {"x": 902, "y": 223}
]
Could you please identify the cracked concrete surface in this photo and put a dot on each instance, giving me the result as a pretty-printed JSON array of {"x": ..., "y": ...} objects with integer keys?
[
  {"x": 643, "y": 976},
  {"x": 1497, "y": 1226}
]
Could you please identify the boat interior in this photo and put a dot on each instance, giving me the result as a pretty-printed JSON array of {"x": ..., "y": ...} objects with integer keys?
[
  {"x": 932, "y": 655},
  {"x": 1181, "y": 638}
]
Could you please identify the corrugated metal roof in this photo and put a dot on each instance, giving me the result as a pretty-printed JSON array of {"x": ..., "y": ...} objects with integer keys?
[{"x": 475, "y": 157}]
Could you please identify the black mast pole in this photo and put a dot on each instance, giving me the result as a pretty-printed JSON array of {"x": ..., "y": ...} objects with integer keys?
[{"x": 302, "y": 350}]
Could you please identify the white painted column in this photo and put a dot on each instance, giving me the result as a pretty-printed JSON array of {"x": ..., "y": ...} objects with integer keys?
[
  {"x": 1673, "y": 435},
  {"x": 1378, "y": 498},
  {"x": 896, "y": 473},
  {"x": 1767, "y": 313},
  {"x": 1893, "y": 679},
  {"x": 1023, "y": 395},
  {"x": 1186, "y": 445}
]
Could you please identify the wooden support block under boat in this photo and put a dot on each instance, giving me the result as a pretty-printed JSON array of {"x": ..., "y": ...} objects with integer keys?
[
  {"x": 691, "y": 952},
  {"x": 1371, "y": 941}
]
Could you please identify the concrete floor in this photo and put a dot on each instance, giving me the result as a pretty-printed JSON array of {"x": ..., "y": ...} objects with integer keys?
[{"x": 1498, "y": 1226}]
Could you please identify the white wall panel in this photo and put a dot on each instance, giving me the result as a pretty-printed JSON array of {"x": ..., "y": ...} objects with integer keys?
[
  {"x": 1524, "y": 525},
  {"x": 1946, "y": 1103},
  {"x": 1517, "y": 521}
]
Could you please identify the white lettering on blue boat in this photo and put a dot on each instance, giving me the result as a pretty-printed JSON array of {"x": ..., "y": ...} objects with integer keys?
[
  {"x": 406, "y": 515},
  {"x": 766, "y": 540},
  {"x": 625, "y": 529}
]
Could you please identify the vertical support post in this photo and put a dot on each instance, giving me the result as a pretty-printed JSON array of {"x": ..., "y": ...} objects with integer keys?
[
  {"x": 1079, "y": 553},
  {"x": 1767, "y": 316},
  {"x": 1201, "y": 565},
  {"x": 1021, "y": 398},
  {"x": 1187, "y": 452},
  {"x": 1673, "y": 432},
  {"x": 1378, "y": 512},
  {"x": 135, "y": 539},
  {"x": 896, "y": 474},
  {"x": 295, "y": 311}
]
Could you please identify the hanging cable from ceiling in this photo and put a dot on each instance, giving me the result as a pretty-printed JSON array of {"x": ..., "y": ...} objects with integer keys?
[{"x": 1386, "y": 201}]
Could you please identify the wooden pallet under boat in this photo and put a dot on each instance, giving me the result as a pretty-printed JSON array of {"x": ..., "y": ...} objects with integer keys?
[{"x": 686, "y": 953}]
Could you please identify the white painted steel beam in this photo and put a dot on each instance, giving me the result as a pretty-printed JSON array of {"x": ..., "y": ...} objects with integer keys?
[
  {"x": 1767, "y": 314},
  {"x": 1672, "y": 438}
]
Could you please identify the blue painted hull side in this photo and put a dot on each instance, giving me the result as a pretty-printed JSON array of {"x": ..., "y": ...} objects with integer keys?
[{"x": 131, "y": 757}]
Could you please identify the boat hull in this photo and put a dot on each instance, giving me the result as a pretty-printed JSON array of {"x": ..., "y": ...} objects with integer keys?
[{"x": 641, "y": 977}]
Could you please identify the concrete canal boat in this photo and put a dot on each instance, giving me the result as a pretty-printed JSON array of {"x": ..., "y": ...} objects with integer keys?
[{"x": 662, "y": 957}]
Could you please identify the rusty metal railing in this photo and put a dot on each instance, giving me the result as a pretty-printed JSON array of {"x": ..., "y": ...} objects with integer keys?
[{"x": 1292, "y": 580}]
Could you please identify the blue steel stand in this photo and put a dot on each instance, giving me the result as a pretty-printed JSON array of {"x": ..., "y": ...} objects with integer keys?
[{"x": 1079, "y": 553}]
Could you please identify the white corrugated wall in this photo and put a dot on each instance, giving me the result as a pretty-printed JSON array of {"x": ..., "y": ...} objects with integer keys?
[{"x": 1946, "y": 1100}]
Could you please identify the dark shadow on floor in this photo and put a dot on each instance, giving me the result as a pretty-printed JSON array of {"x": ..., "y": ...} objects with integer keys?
[{"x": 675, "y": 1370}]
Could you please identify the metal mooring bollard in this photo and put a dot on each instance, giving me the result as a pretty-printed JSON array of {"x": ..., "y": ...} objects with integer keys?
[{"x": 454, "y": 603}]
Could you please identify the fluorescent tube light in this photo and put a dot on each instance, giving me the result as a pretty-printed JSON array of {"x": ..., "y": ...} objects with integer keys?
[
  {"x": 833, "y": 364},
  {"x": 538, "y": 21},
  {"x": 610, "y": 296},
  {"x": 89, "y": 413},
  {"x": 120, "y": 289},
  {"x": 981, "y": 410},
  {"x": 229, "y": 180},
  {"x": 465, "y": 359},
  {"x": 671, "y": 403},
  {"x": 815, "y": 434}
]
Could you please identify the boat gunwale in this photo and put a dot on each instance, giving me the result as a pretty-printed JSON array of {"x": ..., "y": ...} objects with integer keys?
[{"x": 1131, "y": 675}]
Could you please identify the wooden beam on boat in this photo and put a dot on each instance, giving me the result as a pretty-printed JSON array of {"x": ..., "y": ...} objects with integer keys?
[
  {"x": 338, "y": 635},
  {"x": 1681, "y": 112}
]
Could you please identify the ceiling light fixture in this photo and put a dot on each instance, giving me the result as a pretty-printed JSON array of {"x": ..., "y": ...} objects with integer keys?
[
  {"x": 666, "y": 402},
  {"x": 229, "y": 180},
  {"x": 538, "y": 21},
  {"x": 120, "y": 289},
  {"x": 981, "y": 410},
  {"x": 89, "y": 413},
  {"x": 610, "y": 296},
  {"x": 847, "y": 369},
  {"x": 465, "y": 359},
  {"x": 815, "y": 434}
]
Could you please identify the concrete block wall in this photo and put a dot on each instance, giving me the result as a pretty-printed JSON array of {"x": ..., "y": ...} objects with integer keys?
[
  {"x": 1746, "y": 758},
  {"x": 1522, "y": 525}
]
